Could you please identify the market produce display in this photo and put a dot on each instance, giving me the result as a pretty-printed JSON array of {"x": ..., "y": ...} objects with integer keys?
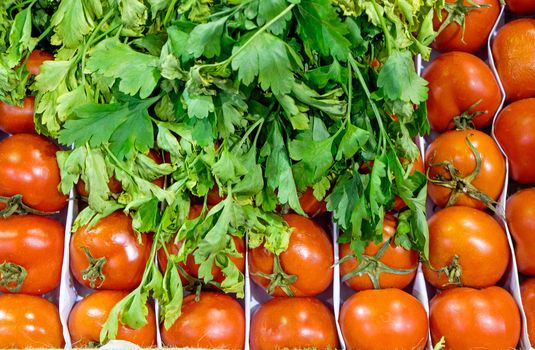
[{"x": 243, "y": 172}]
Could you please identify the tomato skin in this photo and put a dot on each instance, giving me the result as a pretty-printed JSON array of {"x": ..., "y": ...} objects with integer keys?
[
  {"x": 383, "y": 319},
  {"x": 395, "y": 256},
  {"x": 111, "y": 237},
  {"x": 18, "y": 120},
  {"x": 29, "y": 321},
  {"x": 520, "y": 214},
  {"x": 527, "y": 291},
  {"x": 478, "y": 25},
  {"x": 28, "y": 167},
  {"x": 457, "y": 81},
  {"x": 513, "y": 49},
  {"x": 309, "y": 256},
  {"x": 217, "y": 321},
  {"x": 453, "y": 147},
  {"x": 472, "y": 235},
  {"x": 36, "y": 59},
  {"x": 310, "y": 205},
  {"x": 521, "y": 7},
  {"x": 515, "y": 131},
  {"x": 475, "y": 318},
  {"x": 293, "y": 323},
  {"x": 35, "y": 243},
  {"x": 89, "y": 315}
]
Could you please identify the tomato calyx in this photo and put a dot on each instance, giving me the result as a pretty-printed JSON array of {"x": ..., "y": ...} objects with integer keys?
[
  {"x": 453, "y": 271},
  {"x": 94, "y": 272},
  {"x": 461, "y": 185},
  {"x": 465, "y": 120},
  {"x": 373, "y": 266},
  {"x": 278, "y": 278},
  {"x": 15, "y": 205},
  {"x": 457, "y": 12},
  {"x": 12, "y": 274}
]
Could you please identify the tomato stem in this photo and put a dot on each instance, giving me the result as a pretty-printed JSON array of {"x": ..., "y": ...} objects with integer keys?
[
  {"x": 457, "y": 12},
  {"x": 15, "y": 205},
  {"x": 94, "y": 272},
  {"x": 11, "y": 273},
  {"x": 466, "y": 119},
  {"x": 453, "y": 271},
  {"x": 278, "y": 278}
]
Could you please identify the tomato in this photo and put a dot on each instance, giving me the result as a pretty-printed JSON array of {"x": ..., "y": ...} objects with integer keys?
[
  {"x": 28, "y": 321},
  {"x": 35, "y": 244},
  {"x": 36, "y": 59},
  {"x": 513, "y": 49},
  {"x": 17, "y": 120},
  {"x": 310, "y": 205},
  {"x": 309, "y": 257},
  {"x": 115, "y": 247},
  {"x": 89, "y": 315},
  {"x": 457, "y": 81},
  {"x": 527, "y": 290},
  {"x": 472, "y": 236},
  {"x": 520, "y": 214},
  {"x": 383, "y": 319},
  {"x": 28, "y": 167},
  {"x": 213, "y": 196},
  {"x": 478, "y": 25},
  {"x": 216, "y": 321},
  {"x": 294, "y": 323},
  {"x": 115, "y": 186},
  {"x": 394, "y": 257},
  {"x": 475, "y": 319},
  {"x": 515, "y": 131},
  {"x": 521, "y": 7},
  {"x": 453, "y": 147}
]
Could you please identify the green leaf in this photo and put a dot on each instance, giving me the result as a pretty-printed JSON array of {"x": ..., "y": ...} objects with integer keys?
[
  {"x": 73, "y": 20},
  {"x": 146, "y": 217},
  {"x": 171, "y": 304},
  {"x": 137, "y": 72},
  {"x": 205, "y": 39},
  {"x": 352, "y": 141},
  {"x": 20, "y": 37},
  {"x": 133, "y": 16},
  {"x": 267, "y": 10}
]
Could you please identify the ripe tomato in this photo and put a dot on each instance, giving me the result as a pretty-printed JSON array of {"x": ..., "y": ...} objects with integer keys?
[
  {"x": 213, "y": 196},
  {"x": 89, "y": 315},
  {"x": 514, "y": 53},
  {"x": 472, "y": 236},
  {"x": 29, "y": 321},
  {"x": 527, "y": 290},
  {"x": 383, "y": 319},
  {"x": 457, "y": 81},
  {"x": 28, "y": 167},
  {"x": 17, "y": 120},
  {"x": 310, "y": 205},
  {"x": 475, "y": 318},
  {"x": 521, "y": 7},
  {"x": 35, "y": 244},
  {"x": 216, "y": 321},
  {"x": 520, "y": 214},
  {"x": 515, "y": 131},
  {"x": 309, "y": 257},
  {"x": 453, "y": 147},
  {"x": 293, "y": 323},
  {"x": 119, "y": 258},
  {"x": 394, "y": 257},
  {"x": 478, "y": 25},
  {"x": 36, "y": 59}
]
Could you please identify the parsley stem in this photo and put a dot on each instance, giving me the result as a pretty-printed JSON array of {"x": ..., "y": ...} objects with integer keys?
[
  {"x": 169, "y": 12},
  {"x": 388, "y": 38}
]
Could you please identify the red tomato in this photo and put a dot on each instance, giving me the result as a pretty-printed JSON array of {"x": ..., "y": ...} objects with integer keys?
[
  {"x": 478, "y": 25},
  {"x": 520, "y": 214},
  {"x": 453, "y": 147},
  {"x": 216, "y": 321},
  {"x": 514, "y": 53},
  {"x": 309, "y": 257},
  {"x": 394, "y": 257},
  {"x": 17, "y": 120},
  {"x": 89, "y": 315},
  {"x": 213, "y": 197},
  {"x": 35, "y": 244},
  {"x": 475, "y": 319},
  {"x": 310, "y": 205},
  {"x": 383, "y": 319},
  {"x": 113, "y": 245},
  {"x": 28, "y": 167},
  {"x": 293, "y": 323},
  {"x": 36, "y": 59},
  {"x": 457, "y": 81},
  {"x": 515, "y": 131},
  {"x": 29, "y": 321},
  {"x": 521, "y": 7},
  {"x": 472, "y": 236},
  {"x": 527, "y": 290}
]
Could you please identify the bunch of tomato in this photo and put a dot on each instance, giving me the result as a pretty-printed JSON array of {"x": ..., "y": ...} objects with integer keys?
[{"x": 31, "y": 239}]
